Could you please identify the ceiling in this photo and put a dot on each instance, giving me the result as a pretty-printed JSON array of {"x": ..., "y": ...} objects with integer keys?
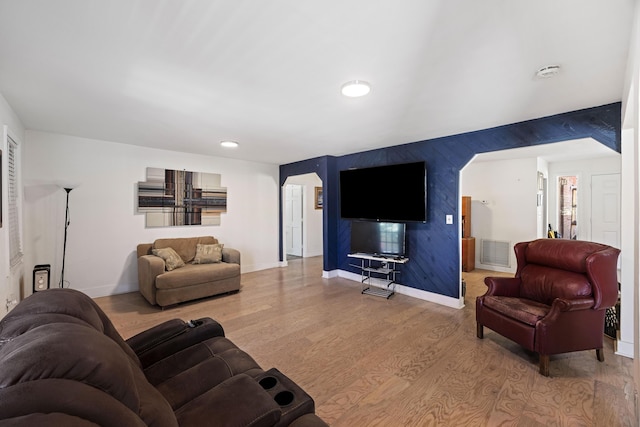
[{"x": 184, "y": 75}]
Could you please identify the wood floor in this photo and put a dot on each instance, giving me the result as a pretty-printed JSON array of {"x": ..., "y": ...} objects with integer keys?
[{"x": 368, "y": 361}]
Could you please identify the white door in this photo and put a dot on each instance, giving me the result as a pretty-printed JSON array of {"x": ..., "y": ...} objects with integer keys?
[
  {"x": 293, "y": 217},
  {"x": 605, "y": 209}
]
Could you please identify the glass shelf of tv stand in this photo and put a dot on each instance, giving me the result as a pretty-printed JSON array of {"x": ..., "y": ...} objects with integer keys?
[{"x": 384, "y": 267}]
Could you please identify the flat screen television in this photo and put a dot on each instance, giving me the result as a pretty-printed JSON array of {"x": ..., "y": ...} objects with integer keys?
[
  {"x": 378, "y": 238},
  {"x": 392, "y": 193}
]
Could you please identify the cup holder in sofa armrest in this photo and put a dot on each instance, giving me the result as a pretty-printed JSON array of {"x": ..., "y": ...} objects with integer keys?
[
  {"x": 291, "y": 398},
  {"x": 268, "y": 383},
  {"x": 284, "y": 398}
]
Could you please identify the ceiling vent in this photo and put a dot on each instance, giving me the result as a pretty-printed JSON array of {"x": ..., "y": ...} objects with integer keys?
[{"x": 548, "y": 71}]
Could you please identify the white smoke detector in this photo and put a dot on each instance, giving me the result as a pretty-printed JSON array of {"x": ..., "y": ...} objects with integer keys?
[{"x": 548, "y": 71}]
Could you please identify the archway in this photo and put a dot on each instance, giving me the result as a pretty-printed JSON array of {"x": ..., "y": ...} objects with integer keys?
[{"x": 302, "y": 231}]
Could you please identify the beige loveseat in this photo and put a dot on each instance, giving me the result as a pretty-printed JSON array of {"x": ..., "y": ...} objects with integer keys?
[{"x": 198, "y": 274}]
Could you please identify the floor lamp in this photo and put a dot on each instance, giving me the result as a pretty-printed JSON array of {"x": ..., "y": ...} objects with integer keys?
[{"x": 64, "y": 247}]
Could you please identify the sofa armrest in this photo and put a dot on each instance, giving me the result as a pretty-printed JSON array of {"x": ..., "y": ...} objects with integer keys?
[
  {"x": 237, "y": 401},
  {"x": 172, "y": 336},
  {"x": 149, "y": 267},
  {"x": 503, "y": 286},
  {"x": 231, "y": 256}
]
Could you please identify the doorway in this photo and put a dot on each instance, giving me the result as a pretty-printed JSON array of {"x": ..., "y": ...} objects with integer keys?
[
  {"x": 302, "y": 217},
  {"x": 293, "y": 214},
  {"x": 505, "y": 206},
  {"x": 605, "y": 208},
  {"x": 568, "y": 207}
]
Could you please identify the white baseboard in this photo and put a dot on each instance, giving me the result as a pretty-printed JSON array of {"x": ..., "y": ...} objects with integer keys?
[
  {"x": 249, "y": 268},
  {"x": 106, "y": 290},
  {"x": 412, "y": 292},
  {"x": 330, "y": 274}
]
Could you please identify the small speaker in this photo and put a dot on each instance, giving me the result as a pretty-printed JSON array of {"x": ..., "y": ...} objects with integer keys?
[{"x": 41, "y": 277}]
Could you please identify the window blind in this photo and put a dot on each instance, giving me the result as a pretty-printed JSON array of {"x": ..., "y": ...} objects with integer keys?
[{"x": 15, "y": 240}]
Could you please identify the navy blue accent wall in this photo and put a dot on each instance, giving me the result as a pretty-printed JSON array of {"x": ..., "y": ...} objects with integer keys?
[{"x": 432, "y": 247}]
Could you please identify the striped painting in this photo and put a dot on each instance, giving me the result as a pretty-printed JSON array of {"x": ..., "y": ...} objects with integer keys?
[{"x": 175, "y": 198}]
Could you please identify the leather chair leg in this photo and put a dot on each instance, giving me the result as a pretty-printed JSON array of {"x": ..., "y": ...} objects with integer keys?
[
  {"x": 600, "y": 354},
  {"x": 544, "y": 365},
  {"x": 479, "y": 331}
]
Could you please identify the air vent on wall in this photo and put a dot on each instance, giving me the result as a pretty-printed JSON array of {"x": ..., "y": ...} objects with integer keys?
[{"x": 495, "y": 252}]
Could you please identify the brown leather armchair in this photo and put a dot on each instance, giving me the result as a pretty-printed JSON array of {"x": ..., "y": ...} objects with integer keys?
[{"x": 557, "y": 300}]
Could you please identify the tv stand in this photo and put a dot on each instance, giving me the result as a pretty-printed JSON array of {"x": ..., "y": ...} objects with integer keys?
[{"x": 382, "y": 268}]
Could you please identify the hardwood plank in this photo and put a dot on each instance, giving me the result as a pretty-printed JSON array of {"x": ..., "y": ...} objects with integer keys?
[{"x": 369, "y": 361}]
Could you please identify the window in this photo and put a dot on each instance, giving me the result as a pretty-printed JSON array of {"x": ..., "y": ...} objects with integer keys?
[{"x": 13, "y": 208}]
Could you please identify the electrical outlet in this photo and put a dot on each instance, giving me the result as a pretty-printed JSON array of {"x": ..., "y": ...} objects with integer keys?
[{"x": 449, "y": 219}]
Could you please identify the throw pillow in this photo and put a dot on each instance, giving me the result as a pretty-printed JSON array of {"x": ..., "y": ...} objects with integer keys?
[
  {"x": 208, "y": 254},
  {"x": 171, "y": 258}
]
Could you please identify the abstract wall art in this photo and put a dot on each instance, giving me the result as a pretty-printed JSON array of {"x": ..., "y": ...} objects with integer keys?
[{"x": 174, "y": 198}]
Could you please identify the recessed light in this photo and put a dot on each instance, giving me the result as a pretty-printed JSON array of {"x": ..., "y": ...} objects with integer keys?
[
  {"x": 548, "y": 71},
  {"x": 356, "y": 88},
  {"x": 229, "y": 144}
]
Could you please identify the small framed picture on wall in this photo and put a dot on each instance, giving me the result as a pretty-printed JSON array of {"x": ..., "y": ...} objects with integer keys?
[{"x": 318, "y": 199}]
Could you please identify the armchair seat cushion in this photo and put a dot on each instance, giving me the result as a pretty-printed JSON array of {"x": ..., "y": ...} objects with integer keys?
[
  {"x": 524, "y": 310},
  {"x": 196, "y": 274}
]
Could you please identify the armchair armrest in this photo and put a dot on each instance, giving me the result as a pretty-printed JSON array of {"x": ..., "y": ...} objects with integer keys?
[
  {"x": 559, "y": 306},
  {"x": 503, "y": 286},
  {"x": 149, "y": 267},
  {"x": 570, "y": 325},
  {"x": 170, "y": 337},
  {"x": 562, "y": 304},
  {"x": 230, "y": 255}
]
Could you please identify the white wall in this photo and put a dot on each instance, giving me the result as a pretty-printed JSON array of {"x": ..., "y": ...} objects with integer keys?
[
  {"x": 509, "y": 188},
  {"x": 629, "y": 339},
  {"x": 312, "y": 217},
  {"x": 104, "y": 226},
  {"x": 10, "y": 287},
  {"x": 628, "y": 259}
]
